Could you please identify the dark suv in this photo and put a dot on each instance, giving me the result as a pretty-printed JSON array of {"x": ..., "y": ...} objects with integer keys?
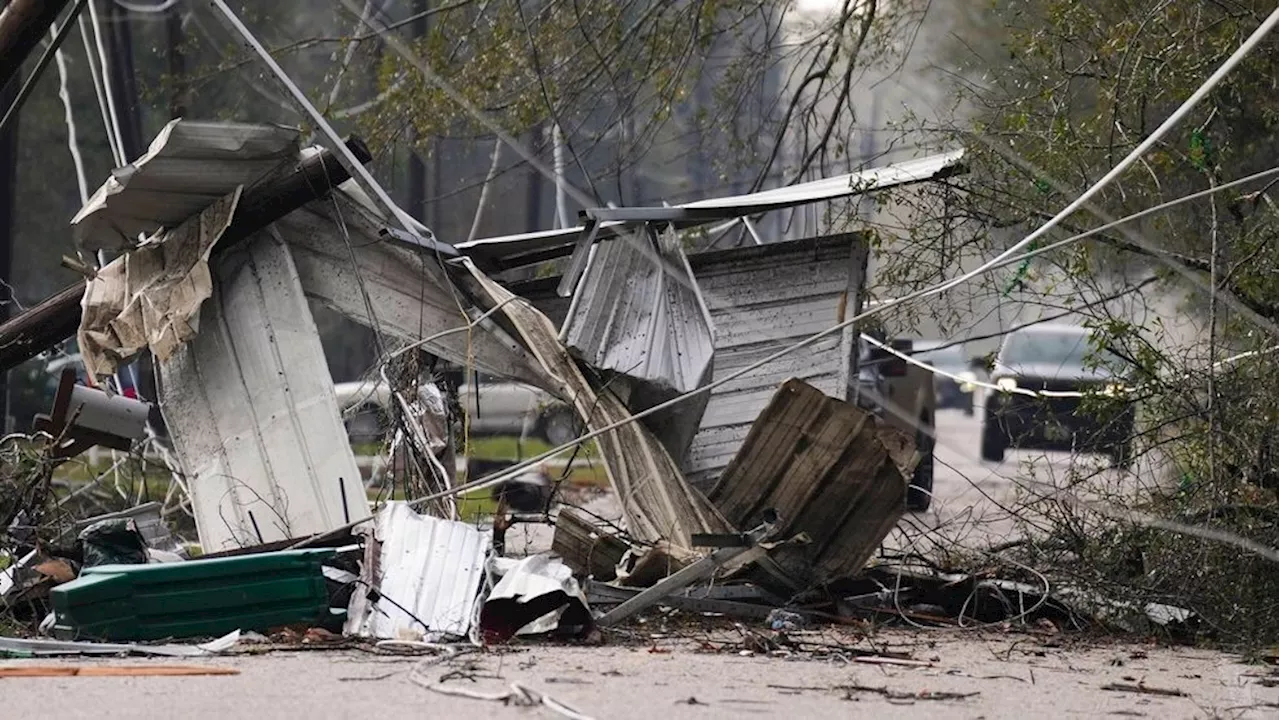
[{"x": 1055, "y": 358}]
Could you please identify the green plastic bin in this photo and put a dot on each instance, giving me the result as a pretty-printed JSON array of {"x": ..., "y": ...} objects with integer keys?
[{"x": 198, "y": 598}]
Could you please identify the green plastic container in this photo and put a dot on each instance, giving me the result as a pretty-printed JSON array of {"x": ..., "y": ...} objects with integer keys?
[{"x": 198, "y": 598}]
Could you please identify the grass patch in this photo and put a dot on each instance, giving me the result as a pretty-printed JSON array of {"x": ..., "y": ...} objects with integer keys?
[{"x": 510, "y": 448}]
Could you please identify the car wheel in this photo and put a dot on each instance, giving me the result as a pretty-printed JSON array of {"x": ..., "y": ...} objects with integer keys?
[
  {"x": 920, "y": 491},
  {"x": 993, "y": 444},
  {"x": 558, "y": 425}
]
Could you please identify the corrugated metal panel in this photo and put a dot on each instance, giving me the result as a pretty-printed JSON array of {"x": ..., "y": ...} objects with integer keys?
[
  {"x": 410, "y": 295},
  {"x": 506, "y": 250},
  {"x": 252, "y": 411},
  {"x": 431, "y": 566},
  {"x": 830, "y": 470},
  {"x": 638, "y": 312},
  {"x": 188, "y": 166},
  {"x": 762, "y": 299}
]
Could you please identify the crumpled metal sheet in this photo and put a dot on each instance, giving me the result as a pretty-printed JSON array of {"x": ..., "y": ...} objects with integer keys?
[
  {"x": 433, "y": 568},
  {"x": 151, "y": 297},
  {"x": 189, "y": 165},
  {"x": 638, "y": 311},
  {"x": 536, "y": 595},
  {"x": 252, "y": 411},
  {"x": 656, "y": 501}
]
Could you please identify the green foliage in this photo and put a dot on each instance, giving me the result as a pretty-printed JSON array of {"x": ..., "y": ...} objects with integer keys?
[{"x": 1072, "y": 90}]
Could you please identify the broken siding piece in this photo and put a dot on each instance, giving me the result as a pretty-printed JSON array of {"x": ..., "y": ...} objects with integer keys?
[
  {"x": 434, "y": 568},
  {"x": 252, "y": 411},
  {"x": 344, "y": 263},
  {"x": 761, "y": 300},
  {"x": 830, "y": 470},
  {"x": 656, "y": 501},
  {"x": 638, "y": 312}
]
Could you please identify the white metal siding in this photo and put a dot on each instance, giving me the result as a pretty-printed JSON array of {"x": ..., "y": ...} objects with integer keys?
[{"x": 252, "y": 411}]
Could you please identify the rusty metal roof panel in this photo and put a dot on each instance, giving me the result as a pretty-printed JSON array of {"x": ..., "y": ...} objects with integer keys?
[
  {"x": 761, "y": 300},
  {"x": 431, "y": 567},
  {"x": 188, "y": 166}
]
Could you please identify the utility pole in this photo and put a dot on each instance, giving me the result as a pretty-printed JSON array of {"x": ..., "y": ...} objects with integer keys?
[
  {"x": 417, "y": 168},
  {"x": 124, "y": 86},
  {"x": 23, "y": 24},
  {"x": 8, "y": 206},
  {"x": 174, "y": 40}
]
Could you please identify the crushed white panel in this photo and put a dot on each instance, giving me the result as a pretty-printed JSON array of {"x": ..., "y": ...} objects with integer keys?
[
  {"x": 432, "y": 567},
  {"x": 762, "y": 299},
  {"x": 252, "y": 411},
  {"x": 189, "y": 165},
  {"x": 344, "y": 263},
  {"x": 638, "y": 312}
]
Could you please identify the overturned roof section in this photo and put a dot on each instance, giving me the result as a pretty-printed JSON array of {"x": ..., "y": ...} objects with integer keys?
[
  {"x": 515, "y": 250},
  {"x": 188, "y": 166}
]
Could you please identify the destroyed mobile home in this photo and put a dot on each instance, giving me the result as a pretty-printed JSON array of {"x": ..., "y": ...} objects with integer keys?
[{"x": 730, "y": 461}]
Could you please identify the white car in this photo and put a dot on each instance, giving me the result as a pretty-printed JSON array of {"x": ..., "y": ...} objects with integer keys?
[{"x": 498, "y": 408}]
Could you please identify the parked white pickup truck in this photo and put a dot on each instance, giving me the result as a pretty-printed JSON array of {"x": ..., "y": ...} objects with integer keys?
[{"x": 497, "y": 407}]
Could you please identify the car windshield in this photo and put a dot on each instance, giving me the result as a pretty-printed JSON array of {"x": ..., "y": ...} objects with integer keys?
[
  {"x": 1057, "y": 348},
  {"x": 947, "y": 358}
]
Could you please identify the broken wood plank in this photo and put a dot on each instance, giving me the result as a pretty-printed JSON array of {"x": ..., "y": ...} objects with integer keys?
[
  {"x": 19, "y": 671},
  {"x": 587, "y": 548}
]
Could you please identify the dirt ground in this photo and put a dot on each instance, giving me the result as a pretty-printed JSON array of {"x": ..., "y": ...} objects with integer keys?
[{"x": 970, "y": 675}]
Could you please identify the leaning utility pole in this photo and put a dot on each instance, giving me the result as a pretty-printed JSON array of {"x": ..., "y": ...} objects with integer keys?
[
  {"x": 23, "y": 24},
  {"x": 124, "y": 85}
]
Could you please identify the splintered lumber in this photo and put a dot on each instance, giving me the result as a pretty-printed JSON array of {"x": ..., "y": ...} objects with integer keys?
[
  {"x": 57, "y": 317},
  {"x": 585, "y": 547}
]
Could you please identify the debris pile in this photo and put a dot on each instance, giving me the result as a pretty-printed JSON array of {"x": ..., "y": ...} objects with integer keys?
[{"x": 743, "y": 494}]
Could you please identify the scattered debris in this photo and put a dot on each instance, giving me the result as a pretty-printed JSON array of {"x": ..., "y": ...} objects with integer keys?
[
  {"x": 1143, "y": 689},
  {"x": 591, "y": 549},
  {"x": 831, "y": 470},
  {"x": 115, "y": 541},
  {"x": 20, "y": 647}
]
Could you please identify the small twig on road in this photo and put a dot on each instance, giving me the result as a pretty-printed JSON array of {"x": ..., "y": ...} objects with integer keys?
[
  {"x": 886, "y": 692},
  {"x": 1143, "y": 689},
  {"x": 363, "y": 678}
]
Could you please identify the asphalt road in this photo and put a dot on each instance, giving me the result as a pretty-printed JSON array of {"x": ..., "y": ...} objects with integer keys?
[{"x": 977, "y": 502}]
